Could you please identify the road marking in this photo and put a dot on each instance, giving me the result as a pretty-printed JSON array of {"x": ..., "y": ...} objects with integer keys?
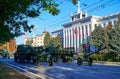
[
  {"x": 64, "y": 68},
  {"x": 26, "y": 70}
]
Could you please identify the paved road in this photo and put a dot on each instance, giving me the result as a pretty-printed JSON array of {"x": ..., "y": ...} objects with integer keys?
[{"x": 67, "y": 70}]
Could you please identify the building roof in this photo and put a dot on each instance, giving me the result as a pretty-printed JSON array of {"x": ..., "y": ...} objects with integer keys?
[
  {"x": 80, "y": 21},
  {"x": 57, "y": 31}
]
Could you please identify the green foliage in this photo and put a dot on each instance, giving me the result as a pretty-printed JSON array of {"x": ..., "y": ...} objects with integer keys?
[
  {"x": 118, "y": 22},
  {"x": 110, "y": 45},
  {"x": 14, "y": 14},
  {"x": 107, "y": 33},
  {"x": 96, "y": 37},
  {"x": 112, "y": 56},
  {"x": 29, "y": 42},
  {"x": 114, "y": 40},
  {"x": 74, "y": 1},
  {"x": 57, "y": 41},
  {"x": 47, "y": 39}
]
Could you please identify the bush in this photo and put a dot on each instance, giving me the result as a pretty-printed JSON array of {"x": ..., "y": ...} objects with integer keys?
[
  {"x": 95, "y": 57},
  {"x": 111, "y": 57}
]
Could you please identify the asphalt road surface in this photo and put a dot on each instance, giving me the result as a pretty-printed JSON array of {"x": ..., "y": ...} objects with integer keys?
[{"x": 65, "y": 70}]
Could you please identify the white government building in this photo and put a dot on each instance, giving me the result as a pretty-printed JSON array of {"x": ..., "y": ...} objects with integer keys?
[{"x": 79, "y": 29}]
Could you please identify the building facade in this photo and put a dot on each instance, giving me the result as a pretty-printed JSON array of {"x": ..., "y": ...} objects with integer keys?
[
  {"x": 39, "y": 39},
  {"x": 78, "y": 31},
  {"x": 36, "y": 41}
]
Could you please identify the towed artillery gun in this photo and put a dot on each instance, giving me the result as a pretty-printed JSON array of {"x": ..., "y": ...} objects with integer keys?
[
  {"x": 85, "y": 58},
  {"x": 52, "y": 54}
]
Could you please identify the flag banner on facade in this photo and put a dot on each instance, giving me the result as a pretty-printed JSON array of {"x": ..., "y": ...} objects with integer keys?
[
  {"x": 75, "y": 31},
  {"x": 25, "y": 36},
  {"x": 80, "y": 35}
]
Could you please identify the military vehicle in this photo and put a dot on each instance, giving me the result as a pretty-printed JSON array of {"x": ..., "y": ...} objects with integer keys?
[
  {"x": 89, "y": 50},
  {"x": 23, "y": 53},
  {"x": 85, "y": 58},
  {"x": 50, "y": 54},
  {"x": 4, "y": 53}
]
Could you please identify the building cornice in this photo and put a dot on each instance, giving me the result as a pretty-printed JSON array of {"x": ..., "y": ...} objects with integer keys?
[{"x": 80, "y": 20}]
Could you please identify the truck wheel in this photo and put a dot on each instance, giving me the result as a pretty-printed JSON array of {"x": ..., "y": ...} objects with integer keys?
[
  {"x": 79, "y": 61},
  {"x": 55, "y": 59},
  {"x": 90, "y": 61},
  {"x": 51, "y": 63},
  {"x": 15, "y": 59}
]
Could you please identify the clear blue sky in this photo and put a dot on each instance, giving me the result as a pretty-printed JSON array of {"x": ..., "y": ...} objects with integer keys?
[{"x": 52, "y": 23}]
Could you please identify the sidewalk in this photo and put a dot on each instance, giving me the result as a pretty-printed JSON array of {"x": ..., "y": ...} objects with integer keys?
[{"x": 107, "y": 63}]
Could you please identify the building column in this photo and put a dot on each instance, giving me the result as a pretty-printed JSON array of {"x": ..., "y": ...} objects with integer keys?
[
  {"x": 64, "y": 37},
  {"x": 69, "y": 38},
  {"x": 84, "y": 34},
  {"x": 78, "y": 44},
  {"x": 74, "y": 39}
]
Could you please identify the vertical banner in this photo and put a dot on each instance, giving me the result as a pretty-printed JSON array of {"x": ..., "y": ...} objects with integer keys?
[{"x": 75, "y": 31}]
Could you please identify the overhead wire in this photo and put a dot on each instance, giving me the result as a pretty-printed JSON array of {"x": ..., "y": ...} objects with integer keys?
[
  {"x": 69, "y": 14},
  {"x": 96, "y": 7}
]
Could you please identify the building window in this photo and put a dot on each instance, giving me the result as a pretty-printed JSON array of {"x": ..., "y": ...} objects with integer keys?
[
  {"x": 104, "y": 25},
  {"x": 115, "y": 23},
  {"x": 82, "y": 29},
  {"x": 95, "y": 25},
  {"x": 86, "y": 30},
  {"x": 90, "y": 28}
]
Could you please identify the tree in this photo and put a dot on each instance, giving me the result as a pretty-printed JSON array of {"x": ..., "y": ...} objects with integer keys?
[
  {"x": 14, "y": 14},
  {"x": 106, "y": 40},
  {"x": 114, "y": 40},
  {"x": 96, "y": 38},
  {"x": 47, "y": 39},
  {"x": 118, "y": 22},
  {"x": 29, "y": 42},
  {"x": 58, "y": 41}
]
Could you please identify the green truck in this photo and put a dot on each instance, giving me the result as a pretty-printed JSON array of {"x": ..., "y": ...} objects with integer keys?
[{"x": 23, "y": 53}]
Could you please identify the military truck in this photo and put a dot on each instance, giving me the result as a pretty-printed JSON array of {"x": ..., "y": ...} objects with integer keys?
[
  {"x": 23, "y": 53},
  {"x": 4, "y": 53},
  {"x": 40, "y": 55}
]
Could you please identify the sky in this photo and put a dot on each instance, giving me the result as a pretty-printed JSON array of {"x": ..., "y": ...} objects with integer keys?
[{"x": 52, "y": 23}]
